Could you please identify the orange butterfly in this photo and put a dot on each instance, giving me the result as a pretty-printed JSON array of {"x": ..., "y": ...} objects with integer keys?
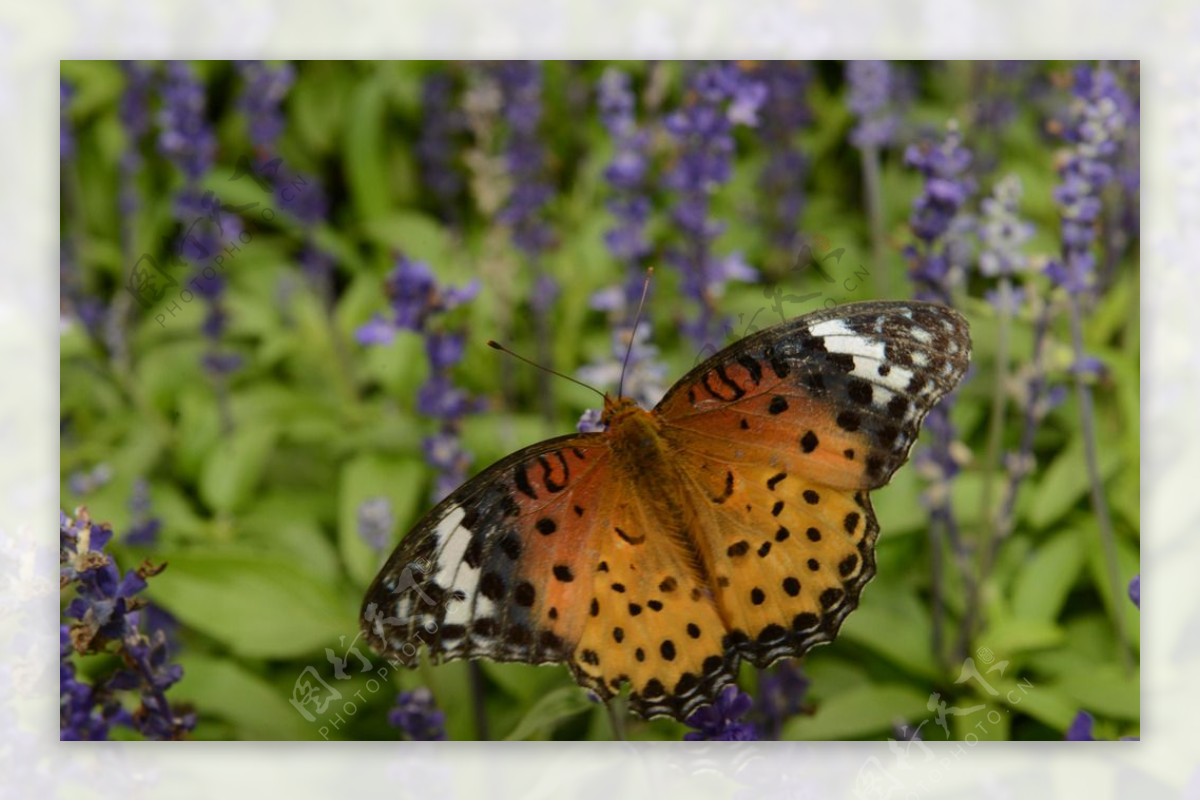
[{"x": 730, "y": 522}]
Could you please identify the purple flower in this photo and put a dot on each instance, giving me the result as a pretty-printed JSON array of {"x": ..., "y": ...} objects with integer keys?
[
  {"x": 66, "y": 138},
  {"x": 720, "y": 96},
  {"x": 872, "y": 99},
  {"x": 937, "y": 220},
  {"x": 781, "y": 694},
  {"x": 417, "y": 716},
  {"x": 784, "y": 114},
  {"x": 185, "y": 137},
  {"x": 108, "y": 611},
  {"x": 134, "y": 112},
  {"x": 1135, "y": 590},
  {"x": 1096, "y": 126},
  {"x": 1081, "y": 727},
  {"x": 418, "y": 303},
  {"x": 144, "y": 527},
  {"x": 521, "y": 85},
  {"x": 443, "y": 128},
  {"x": 1002, "y": 232},
  {"x": 414, "y": 296},
  {"x": 719, "y": 721},
  {"x": 263, "y": 90},
  {"x": 376, "y": 521}
]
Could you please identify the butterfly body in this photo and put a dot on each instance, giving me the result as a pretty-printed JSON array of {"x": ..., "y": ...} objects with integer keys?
[{"x": 731, "y": 522}]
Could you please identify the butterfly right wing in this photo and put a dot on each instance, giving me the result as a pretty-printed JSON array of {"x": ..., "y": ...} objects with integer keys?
[{"x": 782, "y": 435}]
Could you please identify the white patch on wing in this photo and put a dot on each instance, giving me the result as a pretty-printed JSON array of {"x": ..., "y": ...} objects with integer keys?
[
  {"x": 896, "y": 380},
  {"x": 830, "y": 328},
  {"x": 921, "y": 335},
  {"x": 856, "y": 345},
  {"x": 452, "y": 542},
  {"x": 920, "y": 359}
]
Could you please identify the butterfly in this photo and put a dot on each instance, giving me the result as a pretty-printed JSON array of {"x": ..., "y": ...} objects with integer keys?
[{"x": 731, "y": 522}]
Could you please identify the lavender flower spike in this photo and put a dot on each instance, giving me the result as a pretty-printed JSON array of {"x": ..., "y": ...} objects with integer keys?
[{"x": 720, "y": 720}]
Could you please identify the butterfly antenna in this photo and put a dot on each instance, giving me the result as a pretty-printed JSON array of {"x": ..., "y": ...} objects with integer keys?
[
  {"x": 637, "y": 319},
  {"x": 497, "y": 346}
]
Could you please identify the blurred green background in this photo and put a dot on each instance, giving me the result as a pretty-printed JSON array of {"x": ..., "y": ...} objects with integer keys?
[{"x": 257, "y": 476}]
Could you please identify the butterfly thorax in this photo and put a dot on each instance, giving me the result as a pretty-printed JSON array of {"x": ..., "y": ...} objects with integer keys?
[
  {"x": 641, "y": 451},
  {"x": 634, "y": 434}
]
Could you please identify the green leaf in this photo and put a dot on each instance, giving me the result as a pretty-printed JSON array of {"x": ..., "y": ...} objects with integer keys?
[
  {"x": 363, "y": 151},
  {"x": 860, "y": 712},
  {"x": 989, "y": 722},
  {"x": 895, "y": 624},
  {"x": 257, "y": 605},
  {"x": 400, "y": 480},
  {"x": 1041, "y": 586},
  {"x": 223, "y": 688},
  {"x": 416, "y": 235},
  {"x": 1009, "y": 636},
  {"x": 1104, "y": 690},
  {"x": 1127, "y": 568},
  {"x": 233, "y": 469},
  {"x": 551, "y": 710},
  {"x": 1066, "y": 482}
]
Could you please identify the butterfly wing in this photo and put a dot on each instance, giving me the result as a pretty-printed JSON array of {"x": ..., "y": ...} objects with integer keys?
[
  {"x": 490, "y": 571},
  {"x": 782, "y": 435},
  {"x": 545, "y": 557}
]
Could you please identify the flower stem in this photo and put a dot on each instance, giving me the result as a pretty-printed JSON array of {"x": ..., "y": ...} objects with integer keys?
[
  {"x": 615, "y": 707},
  {"x": 873, "y": 189},
  {"x": 1099, "y": 504},
  {"x": 478, "y": 694},
  {"x": 988, "y": 517}
]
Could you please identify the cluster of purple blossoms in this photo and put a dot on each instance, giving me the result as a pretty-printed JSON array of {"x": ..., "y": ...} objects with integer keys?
[
  {"x": 134, "y": 113},
  {"x": 937, "y": 264},
  {"x": 66, "y": 138},
  {"x": 785, "y": 113},
  {"x": 874, "y": 89},
  {"x": 443, "y": 126},
  {"x": 376, "y": 521},
  {"x": 144, "y": 526},
  {"x": 186, "y": 139},
  {"x": 722, "y": 719},
  {"x": 107, "y": 611},
  {"x": 525, "y": 210},
  {"x": 417, "y": 717},
  {"x": 720, "y": 96},
  {"x": 416, "y": 301},
  {"x": 1098, "y": 119},
  {"x": 628, "y": 176},
  {"x": 781, "y": 694},
  {"x": 264, "y": 88}
]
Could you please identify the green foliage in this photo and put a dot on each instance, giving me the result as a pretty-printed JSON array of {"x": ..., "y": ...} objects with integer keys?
[{"x": 258, "y": 480}]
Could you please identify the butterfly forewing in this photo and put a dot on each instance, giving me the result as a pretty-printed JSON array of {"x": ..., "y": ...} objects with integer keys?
[{"x": 490, "y": 573}]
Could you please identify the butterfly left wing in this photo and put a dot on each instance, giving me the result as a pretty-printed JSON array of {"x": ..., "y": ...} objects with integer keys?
[
  {"x": 781, "y": 437},
  {"x": 489, "y": 572}
]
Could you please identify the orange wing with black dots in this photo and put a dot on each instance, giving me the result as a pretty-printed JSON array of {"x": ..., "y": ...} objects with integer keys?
[
  {"x": 788, "y": 431},
  {"x": 731, "y": 522}
]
